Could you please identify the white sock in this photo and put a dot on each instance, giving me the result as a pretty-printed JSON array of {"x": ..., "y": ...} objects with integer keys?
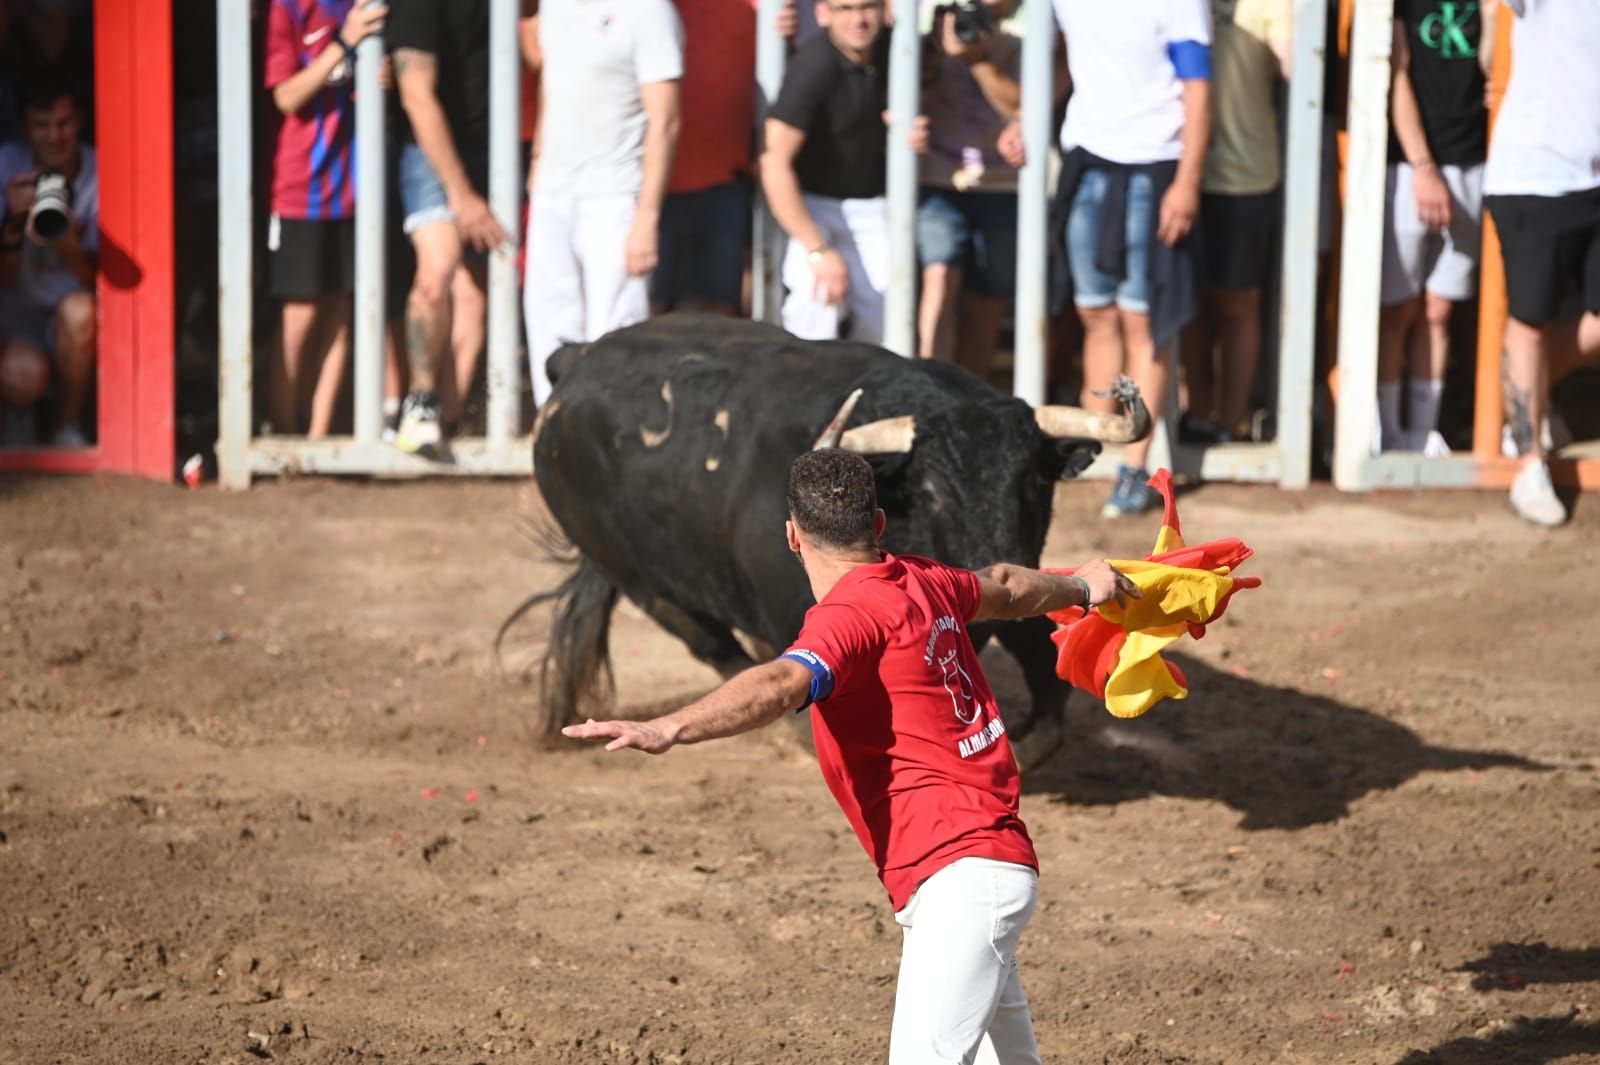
[
  {"x": 1389, "y": 413},
  {"x": 1422, "y": 406},
  {"x": 391, "y": 405}
]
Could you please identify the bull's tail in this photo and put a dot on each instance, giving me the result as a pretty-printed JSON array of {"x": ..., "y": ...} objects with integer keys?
[{"x": 576, "y": 670}]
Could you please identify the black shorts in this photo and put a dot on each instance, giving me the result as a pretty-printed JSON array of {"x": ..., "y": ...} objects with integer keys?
[
  {"x": 311, "y": 258},
  {"x": 1549, "y": 243},
  {"x": 703, "y": 237},
  {"x": 1239, "y": 232}
]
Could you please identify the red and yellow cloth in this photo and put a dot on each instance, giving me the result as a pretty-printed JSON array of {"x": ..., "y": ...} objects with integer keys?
[{"x": 1115, "y": 651}]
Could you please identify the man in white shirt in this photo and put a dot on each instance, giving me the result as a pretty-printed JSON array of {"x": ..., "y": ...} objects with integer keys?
[
  {"x": 1542, "y": 187},
  {"x": 608, "y": 129},
  {"x": 48, "y": 271}
]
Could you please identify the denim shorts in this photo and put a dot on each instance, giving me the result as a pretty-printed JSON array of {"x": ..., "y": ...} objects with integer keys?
[
  {"x": 976, "y": 231},
  {"x": 1092, "y": 287},
  {"x": 422, "y": 194},
  {"x": 703, "y": 236}
]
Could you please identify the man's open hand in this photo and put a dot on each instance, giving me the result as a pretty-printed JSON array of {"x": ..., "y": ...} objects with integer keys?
[{"x": 641, "y": 734}]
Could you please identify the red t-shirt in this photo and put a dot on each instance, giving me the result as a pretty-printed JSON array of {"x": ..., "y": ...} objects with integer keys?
[
  {"x": 908, "y": 734},
  {"x": 312, "y": 175},
  {"x": 717, "y": 93}
]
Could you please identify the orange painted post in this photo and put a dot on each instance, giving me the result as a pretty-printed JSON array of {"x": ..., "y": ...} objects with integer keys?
[{"x": 1487, "y": 417}]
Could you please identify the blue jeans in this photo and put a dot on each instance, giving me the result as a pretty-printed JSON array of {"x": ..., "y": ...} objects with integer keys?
[
  {"x": 1093, "y": 287},
  {"x": 422, "y": 194},
  {"x": 976, "y": 231}
]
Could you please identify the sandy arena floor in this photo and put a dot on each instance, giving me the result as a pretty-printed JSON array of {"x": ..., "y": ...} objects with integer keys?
[{"x": 264, "y": 797}]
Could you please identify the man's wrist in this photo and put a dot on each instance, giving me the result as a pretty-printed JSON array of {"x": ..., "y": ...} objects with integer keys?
[
  {"x": 1083, "y": 589},
  {"x": 816, "y": 253},
  {"x": 1424, "y": 164}
]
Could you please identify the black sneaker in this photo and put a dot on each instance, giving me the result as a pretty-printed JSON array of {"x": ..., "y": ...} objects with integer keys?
[{"x": 418, "y": 433}]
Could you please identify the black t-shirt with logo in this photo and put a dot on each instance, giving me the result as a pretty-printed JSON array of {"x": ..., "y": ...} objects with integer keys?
[
  {"x": 456, "y": 33},
  {"x": 1443, "y": 38},
  {"x": 839, "y": 106}
]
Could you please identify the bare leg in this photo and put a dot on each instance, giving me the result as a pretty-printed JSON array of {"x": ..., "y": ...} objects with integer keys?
[
  {"x": 394, "y": 367},
  {"x": 468, "y": 328},
  {"x": 1394, "y": 326},
  {"x": 978, "y": 333},
  {"x": 1102, "y": 356},
  {"x": 1239, "y": 338},
  {"x": 428, "y": 308},
  {"x": 75, "y": 354},
  {"x": 936, "y": 313},
  {"x": 1198, "y": 394},
  {"x": 1524, "y": 384},
  {"x": 1150, "y": 373},
  {"x": 334, "y": 315},
  {"x": 1573, "y": 343},
  {"x": 24, "y": 373},
  {"x": 1429, "y": 361}
]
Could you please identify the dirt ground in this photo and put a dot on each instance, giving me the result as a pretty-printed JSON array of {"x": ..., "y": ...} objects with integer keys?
[{"x": 263, "y": 796}]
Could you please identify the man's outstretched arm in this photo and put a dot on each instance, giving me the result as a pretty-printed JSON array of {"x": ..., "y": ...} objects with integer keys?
[
  {"x": 756, "y": 697},
  {"x": 1007, "y": 592}
]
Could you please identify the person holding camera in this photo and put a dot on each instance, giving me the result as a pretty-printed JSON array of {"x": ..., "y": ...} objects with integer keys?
[
  {"x": 967, "y": 207},
  {"x": 49, "y": 256}
]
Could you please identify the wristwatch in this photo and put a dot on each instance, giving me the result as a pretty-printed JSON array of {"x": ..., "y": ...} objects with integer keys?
[{"x": 816, "y": 254}]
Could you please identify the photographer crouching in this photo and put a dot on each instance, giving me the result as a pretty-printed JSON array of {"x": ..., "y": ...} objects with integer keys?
[
  {"x": 967, "y": 206},
  {"x": 49, "y": 243}
]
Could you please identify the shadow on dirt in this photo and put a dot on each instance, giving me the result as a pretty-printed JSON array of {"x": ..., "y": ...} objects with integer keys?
[
  {"x": 1526, "y": 1041},
  {"x": 1283, "y": 758},
  {"x": 1511, "y": 966}
]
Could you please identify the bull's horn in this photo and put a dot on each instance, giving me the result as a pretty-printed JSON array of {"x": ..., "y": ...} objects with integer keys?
[
  {"x": 830, "y": 436},
  {"x": 1077, "y": 423},
  {"x": 882, "y": 437}
]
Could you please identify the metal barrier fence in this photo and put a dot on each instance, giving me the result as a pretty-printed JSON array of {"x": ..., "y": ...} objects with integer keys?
[{"x": 241, "y": 455}]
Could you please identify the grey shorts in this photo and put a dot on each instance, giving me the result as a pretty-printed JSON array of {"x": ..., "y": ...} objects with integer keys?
[{"x": 1415, "y": 257}]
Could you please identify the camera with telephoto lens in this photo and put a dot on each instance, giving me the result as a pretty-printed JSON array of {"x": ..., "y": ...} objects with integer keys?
[
  {"x": 971, "y": 20},
  {"x": 51, "y": 213}
]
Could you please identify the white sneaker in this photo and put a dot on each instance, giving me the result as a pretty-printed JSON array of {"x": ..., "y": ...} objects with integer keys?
[
  {"x": 1434, "y": 446},
  {"x": 1533, "y": 497}
]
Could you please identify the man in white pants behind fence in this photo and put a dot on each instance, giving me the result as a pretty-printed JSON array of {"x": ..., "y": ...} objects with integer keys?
[
  {"x": 607, "y": 132},
  {"x": 823, "y": 171},
  {"x": 909, "y": 740}
]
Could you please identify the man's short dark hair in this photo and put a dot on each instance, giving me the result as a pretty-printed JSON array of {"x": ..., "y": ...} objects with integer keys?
[
  {"x": 42, "y": 88},
  {"x": 832, "y": 498}
]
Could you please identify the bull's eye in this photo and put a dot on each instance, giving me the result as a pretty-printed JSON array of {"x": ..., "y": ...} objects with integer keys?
[{"x": 931, "y": 494}]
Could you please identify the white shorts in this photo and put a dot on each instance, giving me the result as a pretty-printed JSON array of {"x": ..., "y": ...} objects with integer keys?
[
  {"x": 1444, "y": 262},
  {"x": 576, "y": 286},
  {"x": 859, "y": 230}
]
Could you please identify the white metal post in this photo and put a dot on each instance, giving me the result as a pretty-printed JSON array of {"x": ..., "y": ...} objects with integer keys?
[
  {"x": 767, "y": 243},
  {"x": 900, "y": 309},
  {"x": 505, "y": 201},
  {"x": 1031, "y": 319},
  {"x": 1302, "y": 204},
  {"x": 1362, "y": 248},
  {"x": 372, "y": 220},
  {"x": 235, "y": 242}
]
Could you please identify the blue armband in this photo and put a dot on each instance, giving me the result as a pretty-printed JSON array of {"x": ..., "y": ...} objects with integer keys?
[
  {"x": 1191, "y": 60},
  {"x": 821, "y": 675}
]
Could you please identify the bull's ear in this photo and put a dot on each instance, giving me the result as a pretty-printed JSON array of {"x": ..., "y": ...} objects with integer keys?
[{"x": 1074, "y": 456}]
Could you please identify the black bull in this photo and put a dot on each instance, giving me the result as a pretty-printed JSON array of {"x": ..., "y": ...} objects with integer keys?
[{"x": 663, "y": 455}]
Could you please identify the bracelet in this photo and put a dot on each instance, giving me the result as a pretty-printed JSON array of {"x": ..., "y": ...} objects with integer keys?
[
  {"x": 349, "y": 49},
  {"x": 1087, "y": 595},
  {"x": 818, "y": 252}
]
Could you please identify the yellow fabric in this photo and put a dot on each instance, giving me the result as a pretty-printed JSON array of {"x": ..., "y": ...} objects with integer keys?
[
  {"x": 1243, "y": 159},
  {"x": 1169, "y": 598}
]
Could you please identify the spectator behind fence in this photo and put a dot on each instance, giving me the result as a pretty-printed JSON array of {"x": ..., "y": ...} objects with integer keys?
[
  {"x": 967, "y": 207},
  {"x": 310, "y": 72},
  {"x": 441, "y": 68},
  {"x": 1433, "y": 215},
  {"x": 1542, "y": 187},
  {"x": 1240, "y": 213},
  {"x": 823, "y": 170},
  {"x": 1135, "y": 135},
  {"x": 49, "y": 259},
  {"x": 705, "y": 218},
  {"x": 607, "y": 133}
]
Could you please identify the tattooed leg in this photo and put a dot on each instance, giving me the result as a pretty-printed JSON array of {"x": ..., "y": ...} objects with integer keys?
[
  {"x": 428, "y": 309},
  {"x": 1523, "y": 385}
]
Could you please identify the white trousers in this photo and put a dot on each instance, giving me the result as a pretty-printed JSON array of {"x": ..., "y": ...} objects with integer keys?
[
  {"x": 960, "y": 996},
  {"x": 576, "y": 287},
  {"x": 859, "y": 230}
]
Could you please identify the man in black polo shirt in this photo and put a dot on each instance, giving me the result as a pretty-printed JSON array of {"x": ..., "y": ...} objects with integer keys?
[{"x": 823, "y": 172}]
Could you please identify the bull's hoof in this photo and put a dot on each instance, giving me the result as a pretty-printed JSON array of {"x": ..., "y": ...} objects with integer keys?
[{"x": 1039, "y": 744}]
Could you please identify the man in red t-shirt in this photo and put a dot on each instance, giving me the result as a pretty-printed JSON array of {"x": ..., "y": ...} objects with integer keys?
[{"x": 910, "y": 741}]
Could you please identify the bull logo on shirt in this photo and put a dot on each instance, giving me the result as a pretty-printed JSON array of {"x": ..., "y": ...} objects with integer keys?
[{"x": 959, "y": 685}]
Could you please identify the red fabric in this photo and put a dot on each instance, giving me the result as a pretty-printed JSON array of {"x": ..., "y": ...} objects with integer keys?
[
  {"x": 910, "y": 741},
  {"x": 717, "y": 93},
  {"x": 312, "y": 172}
]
